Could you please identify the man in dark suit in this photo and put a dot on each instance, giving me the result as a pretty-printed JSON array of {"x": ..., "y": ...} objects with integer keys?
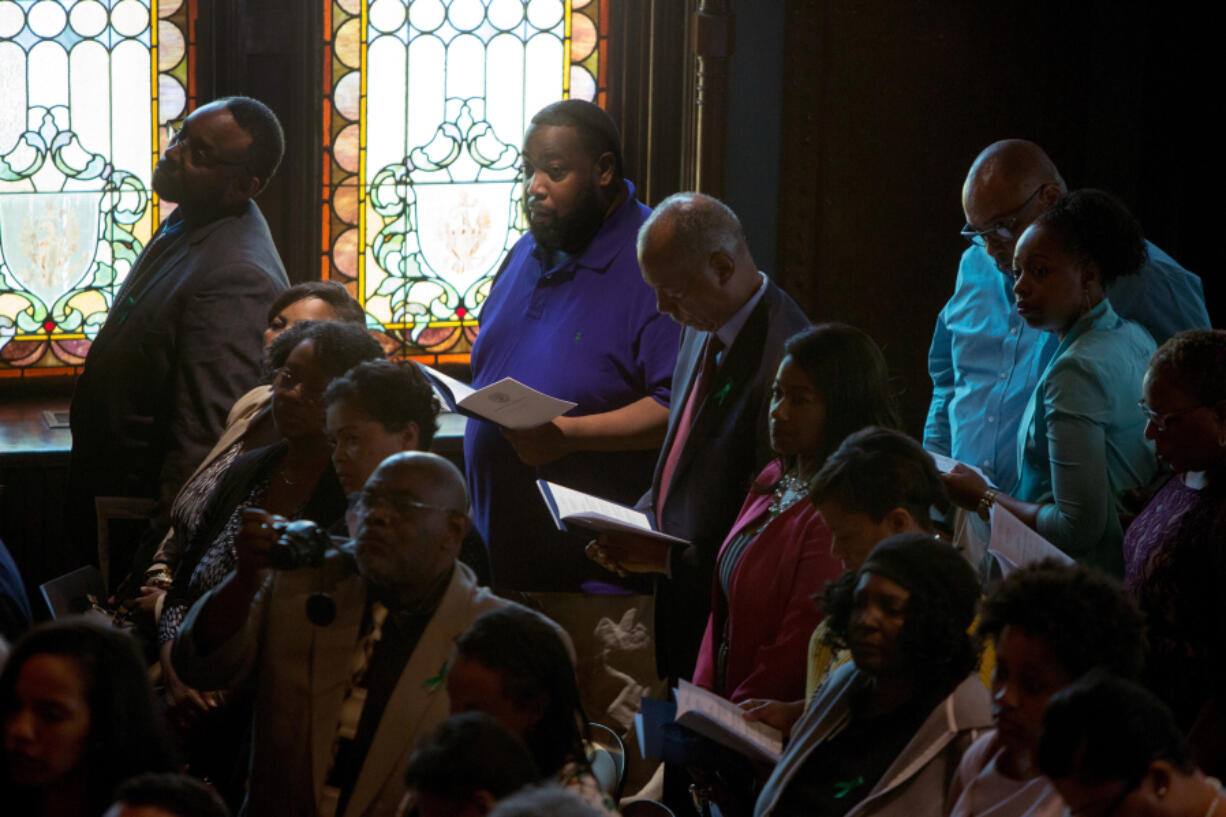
[
  {"x": 184, "y": 336},
  {"x": 693, "y": 253}
]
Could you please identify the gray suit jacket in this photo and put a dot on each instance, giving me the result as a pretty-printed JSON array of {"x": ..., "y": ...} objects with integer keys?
[
  {"x": 916, "y": 782},
  {"x": 183, "y": 341},
  {"x": 300, "y": 671},
  {"x": 728, "y": 444}
]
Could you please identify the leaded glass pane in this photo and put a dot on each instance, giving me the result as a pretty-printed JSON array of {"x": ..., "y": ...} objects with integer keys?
[
  {"x": 424, "y": 111},
  {"x": 87, "y": 83}
]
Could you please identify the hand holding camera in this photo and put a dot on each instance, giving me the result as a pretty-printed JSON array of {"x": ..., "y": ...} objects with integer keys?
[{"x": 256, "y": 538}]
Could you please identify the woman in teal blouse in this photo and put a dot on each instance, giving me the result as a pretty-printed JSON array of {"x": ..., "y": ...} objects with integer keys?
[{"x": 1081, "y": 441}]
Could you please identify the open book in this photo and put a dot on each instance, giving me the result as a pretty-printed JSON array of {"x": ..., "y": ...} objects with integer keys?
[
  {"x": 722, "y": 721},
  {"x": 570, "y": 507},
  {"x": 508, "y": 402}
]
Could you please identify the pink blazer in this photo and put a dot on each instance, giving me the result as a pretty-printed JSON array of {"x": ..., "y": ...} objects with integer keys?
[{"x": 769, "y": 609}]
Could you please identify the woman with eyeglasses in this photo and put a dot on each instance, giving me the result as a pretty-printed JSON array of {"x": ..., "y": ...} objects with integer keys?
[
  {"x": 249, "y": 425},
  {"x": 293, "y": 478},
  {"x": 1173, "y": 558},
  {"x": 1113, "y": 750},
  {"x": 1080, "y": 446}
]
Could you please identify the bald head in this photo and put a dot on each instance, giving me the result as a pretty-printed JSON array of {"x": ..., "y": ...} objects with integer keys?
[
  {"x": 446, "y": 483},
  {"x": 693, "y": 253},
  {"x": 411, "y": 522},
  {"x": 1010, "y": 183},
  {"x": 1016, "y": 165}
]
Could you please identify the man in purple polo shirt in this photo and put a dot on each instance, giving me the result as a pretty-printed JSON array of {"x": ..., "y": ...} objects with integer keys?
[{"x": 570, "y": 315}]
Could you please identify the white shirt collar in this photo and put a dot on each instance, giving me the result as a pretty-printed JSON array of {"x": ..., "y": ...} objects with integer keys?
[{"x": 732, "y": 327}]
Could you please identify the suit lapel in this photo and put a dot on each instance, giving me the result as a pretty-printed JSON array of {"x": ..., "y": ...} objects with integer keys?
[
  {"x": 421, "y": 689},
  {"x": 692, "y": 343},
  {"x": 332, "y": 651},
  {"x": 728, "y": 389}
]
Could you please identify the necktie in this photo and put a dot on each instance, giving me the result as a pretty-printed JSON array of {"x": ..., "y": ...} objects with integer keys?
[{"x": 693, "y": 402}]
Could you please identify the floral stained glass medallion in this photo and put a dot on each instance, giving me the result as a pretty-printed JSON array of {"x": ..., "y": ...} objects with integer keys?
[
  {"x": 88, "y": 87},
  {"x": 425, "y": 106}
]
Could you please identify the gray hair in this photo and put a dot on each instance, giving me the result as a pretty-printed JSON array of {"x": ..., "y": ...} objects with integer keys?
[{"x": 700, "y": 225}]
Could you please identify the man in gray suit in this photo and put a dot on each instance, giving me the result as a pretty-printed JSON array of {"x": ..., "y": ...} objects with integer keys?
[
  {"x": 693, "y": 253},
  {"x": 341, "y": 698},
  {"x": 184, "y": 336}
]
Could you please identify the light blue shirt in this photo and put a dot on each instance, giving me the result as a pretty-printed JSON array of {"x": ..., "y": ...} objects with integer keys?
[
  {"x": 1081, "y": 442},
  {"x": 985, "y": 361}
]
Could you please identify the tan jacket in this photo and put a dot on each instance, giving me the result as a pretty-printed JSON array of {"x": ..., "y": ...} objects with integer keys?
[
  {"x": 299, "y": 673},
  {"x": 916, "y": 782}
]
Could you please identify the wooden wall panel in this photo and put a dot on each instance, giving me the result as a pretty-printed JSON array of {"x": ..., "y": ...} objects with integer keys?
[{"x": 887, "y": 103}]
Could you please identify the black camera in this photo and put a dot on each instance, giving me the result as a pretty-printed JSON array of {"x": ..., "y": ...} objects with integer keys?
[{"x": 300, "y": 543}]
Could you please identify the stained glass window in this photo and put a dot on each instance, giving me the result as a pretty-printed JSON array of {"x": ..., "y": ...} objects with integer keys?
[
  {"x": 87, "y": 89},
  {"x": 425, "y": 106}
]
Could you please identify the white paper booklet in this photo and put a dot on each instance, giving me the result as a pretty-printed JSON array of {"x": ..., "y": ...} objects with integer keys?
[
  {"x": 508, "y": 402},
  {"x": 722, "y": 721},
  {"x": 946, "y": 464},
  {"x": 570, "y": 507},
  {"x": 1015, "y": 545}
]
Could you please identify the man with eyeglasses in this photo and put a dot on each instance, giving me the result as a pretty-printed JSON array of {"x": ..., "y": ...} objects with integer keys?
[
  {"x": 349, "y": 660},
  {"x": 183, "y": 339},
  {"x": 984, "y": 359}
]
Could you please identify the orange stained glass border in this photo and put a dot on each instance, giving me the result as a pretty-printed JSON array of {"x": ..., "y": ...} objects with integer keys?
[{"x": 186, "y": 18}]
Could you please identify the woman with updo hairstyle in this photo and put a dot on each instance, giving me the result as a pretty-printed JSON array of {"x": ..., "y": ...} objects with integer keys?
[
  {"x": 377, "y": 409},
  {"x": 512, "y": 664},
  {"x": 1080, "y": 438},
  {"x": 1174, "y": 560},
  {"x": 79, "y": 719}
]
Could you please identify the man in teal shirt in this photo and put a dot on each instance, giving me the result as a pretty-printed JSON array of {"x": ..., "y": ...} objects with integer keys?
[{"x": 984, "y": 360}]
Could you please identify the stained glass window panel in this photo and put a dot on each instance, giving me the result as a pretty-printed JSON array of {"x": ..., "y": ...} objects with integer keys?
[
  {"x": 88, "y": 86},
  {"x": 424, "y": 111}
]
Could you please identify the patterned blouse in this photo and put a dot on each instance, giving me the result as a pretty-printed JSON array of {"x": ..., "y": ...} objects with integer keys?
[{"x": 214, "y": 566}]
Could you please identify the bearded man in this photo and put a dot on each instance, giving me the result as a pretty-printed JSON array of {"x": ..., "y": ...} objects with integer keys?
[{"x": 569, "y": 315}]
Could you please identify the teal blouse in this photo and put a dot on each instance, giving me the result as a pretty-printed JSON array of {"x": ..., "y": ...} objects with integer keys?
[{"x": 1081, "y": 441}]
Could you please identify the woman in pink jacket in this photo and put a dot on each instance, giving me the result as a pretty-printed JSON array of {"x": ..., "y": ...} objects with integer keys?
[{"x": 833, "y": 381}]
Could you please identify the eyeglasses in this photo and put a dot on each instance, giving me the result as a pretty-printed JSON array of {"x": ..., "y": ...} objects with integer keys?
[
  {"x": 1005, "y": 228},
  {"x": 399, "y": 504},
  {"x": 200, "y": 156},
  {"x": 1163, "y": 420},
  {"x": 286, "y": 380}
]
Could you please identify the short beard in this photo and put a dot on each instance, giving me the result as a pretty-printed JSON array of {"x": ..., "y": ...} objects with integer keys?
[{"x": 573, "y": 233}]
